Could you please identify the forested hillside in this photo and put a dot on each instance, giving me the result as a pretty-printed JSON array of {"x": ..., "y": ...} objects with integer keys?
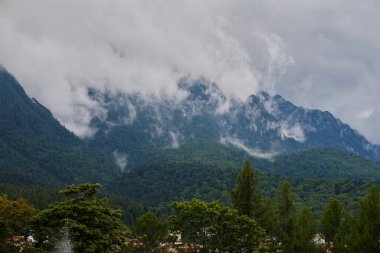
[
  {"x": 204, "y": 170},
  {"x": 36, "y": 149}
]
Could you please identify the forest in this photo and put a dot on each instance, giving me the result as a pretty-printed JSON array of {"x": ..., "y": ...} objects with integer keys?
[{"x": 79, "y": 218}]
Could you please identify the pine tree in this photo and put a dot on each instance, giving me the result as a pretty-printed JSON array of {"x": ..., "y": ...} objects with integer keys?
[
  {"x": 286, "y": 215},
  {"x": 331, "y": 219},
  {"x": 268, "y": 218},
  {"x": 367, "y": 229},
  {"x": 343, "y": 238},
  {"x": 246, "y": 196},
  {"x": 305, "y": 231}
]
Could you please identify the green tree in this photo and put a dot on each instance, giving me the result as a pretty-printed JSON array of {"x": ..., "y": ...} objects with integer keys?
[
  {"x": 194, "y": 220},
  {"x": 15, "y": 216},
  {"x": 215, "y": 228},
  {"x": 367, "y": 230},
  {"x": 246, "y": 196},
  {"x": 151, "y": 231},
  {"x": 286, "y": 217},
  {"x": 268, "y": 218},
  {"x": 331, "y": 219},
  {"x": 343, "y": 238},
  {"x": 305, "y": 231},
  {"x": 93, "y": 226}
]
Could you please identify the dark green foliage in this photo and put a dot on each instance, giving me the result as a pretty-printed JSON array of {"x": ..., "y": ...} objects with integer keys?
[
  {"x": 204, "y": 169},
  {"x": 286, "y": 218},
  {"x": 15, "y": 216},
  {"x": 92, "y": 224},
  {"x": 213, "y": 227},
  {"x": 151, "y": 231},
  {"x": 291, "y": 231},
  {"x": 245, "y": 197},
  {"x": 315, "y": 193},
  {"x": 200, "y": 169},
  {"x": 195, "y": 220},
  {"x": 304, "y": 232},
  {"x": 40, "y": 197},
  {"x": 131, "y": 209},
  {"x": 331, "y": 219},
  {"x": 325, "y": 163},
  {"x": 367, "y": 229},
  {"x": 267, "y": 219},
  {"x": 344, "y": 239}
]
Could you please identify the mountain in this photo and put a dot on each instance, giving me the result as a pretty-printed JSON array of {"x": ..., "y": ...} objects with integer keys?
[
  {"x": 136, "y": 126},
  {"x": 179, "y": 148},
  {"x": 36, "y": 149}
]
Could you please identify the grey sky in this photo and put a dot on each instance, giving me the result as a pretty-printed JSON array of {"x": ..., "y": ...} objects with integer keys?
[{"x": 320, "y": 54}]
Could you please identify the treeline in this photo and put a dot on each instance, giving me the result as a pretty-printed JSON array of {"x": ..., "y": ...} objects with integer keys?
[
  {"x": 292, "y": 229},
  {"x": 41, "y": 197},
  {"x": 81, "y": 222},
  {"x": 252, "y": 223},
  {"x": 205, "y": 173},
  {"x": 256, "y": 223}
]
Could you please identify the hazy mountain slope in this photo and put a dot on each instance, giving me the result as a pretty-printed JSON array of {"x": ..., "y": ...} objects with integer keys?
[
  {"x": 35, "y": 147},
  {"x": 15, "y": 168},
  {"x": 205, "y": 169},
  {"x": 324, "y": 163},
  {"x": 319, "y": 128}
]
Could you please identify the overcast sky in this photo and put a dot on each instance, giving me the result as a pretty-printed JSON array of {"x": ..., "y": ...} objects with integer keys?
[{"x": 321, "y": 54}]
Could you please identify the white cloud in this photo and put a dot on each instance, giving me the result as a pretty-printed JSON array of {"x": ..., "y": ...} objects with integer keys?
[
  {"x": 132, "y": 114},
  {"x": 58, "y": 48},
  {"x": 252, "y": 152},
  {"x": 121, "y": 159},
  {"x": 295, "y": 132},
  {"x": 365, "y": 114},
  {"x": 174, "y": 140},
  {"x": 319, "y": 54}
]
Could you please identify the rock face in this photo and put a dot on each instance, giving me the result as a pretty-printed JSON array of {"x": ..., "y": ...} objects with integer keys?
[{"x": 263, "y": 125}]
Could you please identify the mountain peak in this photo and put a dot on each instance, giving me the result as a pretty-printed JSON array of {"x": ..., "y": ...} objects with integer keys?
[
  {"x": 263, "y": 95},
  {"x": 200, "y": 89}
]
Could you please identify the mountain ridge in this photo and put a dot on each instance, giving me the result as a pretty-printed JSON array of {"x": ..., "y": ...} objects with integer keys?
[{"x": 263, "y": 124}]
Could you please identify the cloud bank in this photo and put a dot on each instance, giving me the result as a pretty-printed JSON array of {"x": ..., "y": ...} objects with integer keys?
[{"x": 320, "y": 54}]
